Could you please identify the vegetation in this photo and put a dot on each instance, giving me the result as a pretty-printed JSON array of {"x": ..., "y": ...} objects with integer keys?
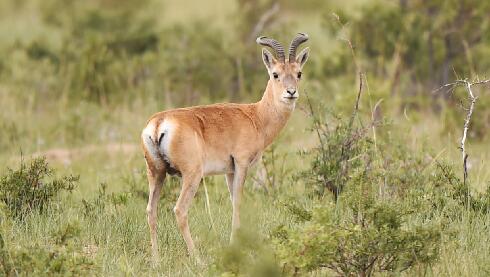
[
  {"x": 388, "y": 213},
  {"x": 26, "y": 190},
  {"x": 367, "y": 186},
  {"x": 62, "y": 258}
]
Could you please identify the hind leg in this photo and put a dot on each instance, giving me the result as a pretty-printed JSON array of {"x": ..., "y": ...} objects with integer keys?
[
  {"x": 190, "y": 183},
  {"x": 155, "y": 181}
]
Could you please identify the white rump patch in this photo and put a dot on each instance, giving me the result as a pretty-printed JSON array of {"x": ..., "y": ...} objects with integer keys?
[
  {"x": 167, "y": 129},
  {"x": 151, "y": 142}
]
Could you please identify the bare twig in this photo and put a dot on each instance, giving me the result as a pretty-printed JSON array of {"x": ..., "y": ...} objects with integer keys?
[
  {"x": 469, "y": 112},
  {"x": 356, "y": 107}
]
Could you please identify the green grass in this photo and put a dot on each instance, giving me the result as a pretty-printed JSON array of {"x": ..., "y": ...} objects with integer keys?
[{"x": 119, "y": 237}]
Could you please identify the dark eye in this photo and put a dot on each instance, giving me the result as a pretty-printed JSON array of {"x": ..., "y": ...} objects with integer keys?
[
  {"x": 275, "y": 75},
  {"x": 299, "y": 75}
]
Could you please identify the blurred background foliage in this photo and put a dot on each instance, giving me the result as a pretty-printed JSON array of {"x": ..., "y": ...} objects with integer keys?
[{"x": 71, "y": 57}]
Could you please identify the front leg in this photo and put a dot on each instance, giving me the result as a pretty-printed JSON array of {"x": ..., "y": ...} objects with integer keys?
[{"x": 237, "y": 191}]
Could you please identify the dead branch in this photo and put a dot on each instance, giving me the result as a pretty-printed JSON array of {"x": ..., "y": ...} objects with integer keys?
[
  {"x": 469, "y": 112},
  {"x": 356, "y": 107},
  {"x": 465, "y": 128}
]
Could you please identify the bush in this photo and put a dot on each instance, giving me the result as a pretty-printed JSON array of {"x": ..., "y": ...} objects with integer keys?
[
  {"x": 386, "y": 201},
  {"x": 372, "y": 237},
  {"x": 32, "y": 188},
  {"x": 391, "y": 204},
  {"x": 342, "y": 150},
  {"x": 446, "y": 191},
  {"x": 373, "y": 225},
  {"x": 62, "y": 258}
]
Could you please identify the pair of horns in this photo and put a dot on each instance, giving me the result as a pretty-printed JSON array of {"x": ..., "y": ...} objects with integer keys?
[{"x": 274, "y": 44}]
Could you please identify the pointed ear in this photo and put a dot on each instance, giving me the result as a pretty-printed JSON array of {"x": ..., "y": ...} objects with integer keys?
[
  {"x": 268, "y": 59},
  {"x": 303, "y": 56}
]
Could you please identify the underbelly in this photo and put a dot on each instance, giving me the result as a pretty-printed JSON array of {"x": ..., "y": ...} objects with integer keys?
[{"x": 217, "y": 167}]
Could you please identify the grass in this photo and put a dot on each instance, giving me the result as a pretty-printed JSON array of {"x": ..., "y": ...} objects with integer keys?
[{"x": 119, "y": 237}]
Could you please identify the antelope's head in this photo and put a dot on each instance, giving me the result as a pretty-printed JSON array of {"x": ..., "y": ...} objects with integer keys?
[{"x": 284, "y": 74}]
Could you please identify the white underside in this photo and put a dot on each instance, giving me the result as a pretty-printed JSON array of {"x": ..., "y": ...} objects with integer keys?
[{"x": 215, "y": 167}]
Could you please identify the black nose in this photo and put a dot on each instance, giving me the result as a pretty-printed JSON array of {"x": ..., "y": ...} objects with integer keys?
[{"x": 291, "y": 91}]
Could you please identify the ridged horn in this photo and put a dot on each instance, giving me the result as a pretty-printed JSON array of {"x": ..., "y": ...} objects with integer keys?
[
  {"x": 274, "y": 44},
  {"x": 300, "y": 38}
]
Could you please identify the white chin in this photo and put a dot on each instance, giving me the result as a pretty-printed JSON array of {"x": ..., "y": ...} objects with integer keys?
[{"x": 289, "y": 101}]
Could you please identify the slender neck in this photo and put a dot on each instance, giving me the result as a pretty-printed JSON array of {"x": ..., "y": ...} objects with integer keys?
[{"x": 272, "y": 115}]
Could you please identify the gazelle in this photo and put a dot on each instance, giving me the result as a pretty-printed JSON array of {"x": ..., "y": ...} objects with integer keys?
[{"x": 219, "y": 139}]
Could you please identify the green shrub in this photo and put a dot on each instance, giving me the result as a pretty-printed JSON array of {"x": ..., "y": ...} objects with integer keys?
[
  {"x": 32, "y": 188},
  {"x": 387, "y": 198},
  {"x": 390, "y": 210},
  {"x": 364, "y": 239},
  {"x": 446, "y": 190},
  {"x": 61, "y": 258},
  {"x": 342, "y": 150},
  {"x": 372, "y": 226}
]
